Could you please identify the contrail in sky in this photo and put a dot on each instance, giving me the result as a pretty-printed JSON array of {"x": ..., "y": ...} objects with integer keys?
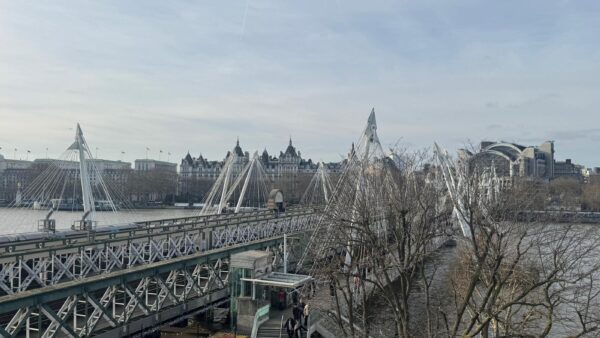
[{"x": 244, "y": 20}]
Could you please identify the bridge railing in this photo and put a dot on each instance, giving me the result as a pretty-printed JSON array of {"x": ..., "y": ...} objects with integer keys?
[
  {"x": 35, "y": 268},
  {"x": 29, "y": 241},
  {"x": 126, "y": 301},
  {"x": 314, "y": 318},
  {"x": 261, "y": 316}
]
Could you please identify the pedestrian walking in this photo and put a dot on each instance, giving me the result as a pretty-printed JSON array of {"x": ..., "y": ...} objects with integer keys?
[
  {"x": 301, "y": 310},
  {"x": 296, "y": 312},
  {"x": 298, "y": 329},
  {"x": 306, "y": 314},
  {"x": 332, "y": 286},
  {"x": 290, "y": 326},
  {"x": 281, "y": 296},
  {"x": 356, "y": 283}
]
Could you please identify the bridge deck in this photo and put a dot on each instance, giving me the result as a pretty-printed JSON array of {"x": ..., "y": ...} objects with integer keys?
[
  {"x": 28, "y": 241},
  {"x": 119, "y": 285},
  {"x": 39, "y": 267}
]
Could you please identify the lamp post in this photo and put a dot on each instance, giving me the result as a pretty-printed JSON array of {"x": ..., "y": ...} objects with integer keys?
[
  {"x": 159, "y": 153},
  {"x": 122, "y": 153},
  {"x": 147, "y": 149},
  {"x": 15, "y": 154},
  {"x": 46, "y": 152}
]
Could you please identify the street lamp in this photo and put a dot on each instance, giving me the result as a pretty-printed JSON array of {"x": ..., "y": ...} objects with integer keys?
[
  {"x": 159, "y": 153},
  {"x": 15, "y": 154},
  {"x": 147, "y": 149}
]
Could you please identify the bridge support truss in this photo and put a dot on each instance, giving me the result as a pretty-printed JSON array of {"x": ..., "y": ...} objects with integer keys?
[
  {"x": 127, "y": 301},
  {"x": 38, "y": 268}
]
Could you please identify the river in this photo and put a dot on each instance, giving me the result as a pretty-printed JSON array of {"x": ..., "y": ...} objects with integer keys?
[
  {"x": 19, "y": 220},
  {"x": 441, "y": 266}
]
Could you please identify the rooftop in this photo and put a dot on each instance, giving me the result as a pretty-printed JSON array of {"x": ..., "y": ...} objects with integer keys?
[{"x": 280, "y": 279}]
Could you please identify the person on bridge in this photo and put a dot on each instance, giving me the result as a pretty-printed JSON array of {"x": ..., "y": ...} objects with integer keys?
[
  {"x": 298, "y": 329},
  {"x": 290, "y": 326},
  {"x": 306, "y": 314},
  {"x": 297, "y": 312},
  {"x": 332, "y": 286},
  {"x": 281, "y": 296},
  {"x": 301, "y": 309},
  {"x": 313, "y": 288}
]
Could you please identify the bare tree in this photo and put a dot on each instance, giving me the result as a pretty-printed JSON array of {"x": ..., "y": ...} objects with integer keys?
[
  {"x": 591, "y": 195},
  {"x": 385, "y": 220},
  {"x": 518, "y": 277}
]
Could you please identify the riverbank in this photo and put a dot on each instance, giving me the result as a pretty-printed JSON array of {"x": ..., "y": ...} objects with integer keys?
[{"x": 548, "y": 216}]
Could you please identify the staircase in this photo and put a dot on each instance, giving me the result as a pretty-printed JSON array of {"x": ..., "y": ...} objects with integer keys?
[{"x": 272, "y": 327}]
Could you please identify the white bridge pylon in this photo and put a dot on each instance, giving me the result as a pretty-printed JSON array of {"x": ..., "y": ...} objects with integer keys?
[
  {"x": 455, "y": 182},
  {"x": 457, "y": 175},
  {"x": 367, "y": 164},
  {"x": 319, "y": 189},
  {"x": 87, "y": 169},
  {"x": 484, "y": 187},
  {"x": 73, "y": 182},
  {"x": 246, "y": 185}
]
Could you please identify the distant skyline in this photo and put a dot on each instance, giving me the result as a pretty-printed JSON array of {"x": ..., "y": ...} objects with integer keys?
[{"x": 194, "y": 76}]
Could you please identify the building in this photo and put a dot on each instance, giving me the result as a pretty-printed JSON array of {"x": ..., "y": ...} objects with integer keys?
[
  {"x": 154, "y": 165},
  {"x": 515, "y": 160},
  {"x": 568, "y": 169},
  {"x": 15, "y": 175},
  {"x": 591, "y": 175},
  {"x": 288, "y": 171},
  {"x": 152, "y": 182},
  {"x": 291, "y": 162},
  {"x": 111, "y": 171}
]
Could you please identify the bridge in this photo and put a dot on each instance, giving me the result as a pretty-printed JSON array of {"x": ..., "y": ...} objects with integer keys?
[
  {"x": 120, "y": 282},
  {"x": 129, "y": 279},
  {"x": 124, "y": 279}
]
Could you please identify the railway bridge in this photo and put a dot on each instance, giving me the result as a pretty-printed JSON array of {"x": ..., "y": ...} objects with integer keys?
[{"x": 122, "y": 281}]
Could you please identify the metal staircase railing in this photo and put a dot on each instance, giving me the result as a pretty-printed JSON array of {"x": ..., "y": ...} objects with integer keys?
[{"x": 261, "y": 316}]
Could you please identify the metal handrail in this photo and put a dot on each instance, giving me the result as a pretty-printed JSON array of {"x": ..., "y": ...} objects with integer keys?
[
  {"x": 131, "y": 237},
  {"x": 261, "y": 316},
  {"x": 280, "y": 326}
]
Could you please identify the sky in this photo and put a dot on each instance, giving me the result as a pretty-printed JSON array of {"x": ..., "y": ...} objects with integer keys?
[{"x": 182, "y": 76}]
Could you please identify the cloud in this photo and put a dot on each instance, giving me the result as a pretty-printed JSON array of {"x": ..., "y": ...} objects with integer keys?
[
  {"x": 180, "y": 75},
  {"x": 575, "y": 135},
  {"x": 494, "y": 126}
]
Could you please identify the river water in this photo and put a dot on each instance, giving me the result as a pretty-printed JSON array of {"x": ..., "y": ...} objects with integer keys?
[
  {"x": 439, "y": 269},
  {"x": 19, "y": 220}
]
